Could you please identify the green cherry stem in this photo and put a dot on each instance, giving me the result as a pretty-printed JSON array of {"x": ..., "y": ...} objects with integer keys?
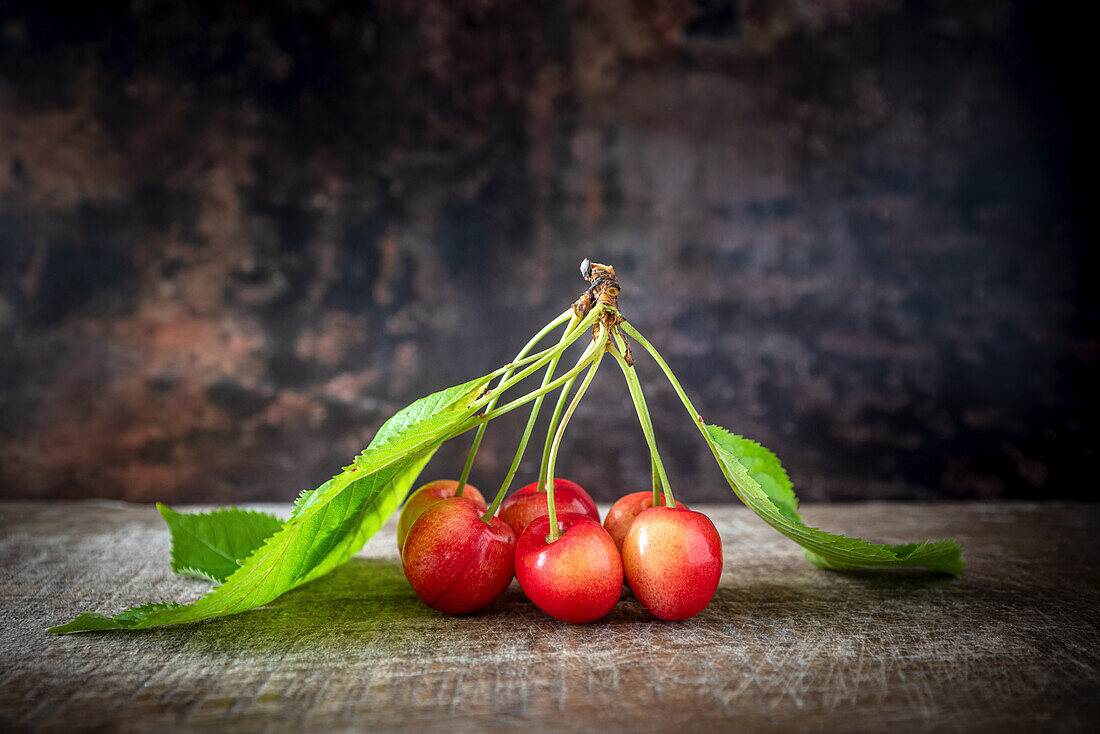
[
  {"x": 544, "y": 463},
  {"x": 601, "y": 344},
  {"x": 695, "y": 417},
  {"x": 636, "y": 393},
  {"x": 638, "y": 398},
  {"x": 477, "y": 420},
  {"x": 542, "y": 359},
  {"x": 656, "y": 484},
  {"x": 511, "y": 366},
  {"x": 568, "y": 314},
  {"x": 554, "y": 417},
  {"x": 522, "y": 448}
]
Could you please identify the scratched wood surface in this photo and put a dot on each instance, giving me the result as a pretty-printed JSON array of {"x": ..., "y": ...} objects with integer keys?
[{"x": 1012, "y": 645}]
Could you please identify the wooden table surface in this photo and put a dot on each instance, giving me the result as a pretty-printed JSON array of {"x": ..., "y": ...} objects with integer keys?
[{"x": 1011, "y": 645}]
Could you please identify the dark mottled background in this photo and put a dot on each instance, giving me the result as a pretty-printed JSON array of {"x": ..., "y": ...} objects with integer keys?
[{"x": 234, "y": 237}]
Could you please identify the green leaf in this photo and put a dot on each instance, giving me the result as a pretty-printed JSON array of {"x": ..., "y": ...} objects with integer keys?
[
  {"x": 760, "y": 481},
  {"x": 92, "y": 621},
  {"x": 404, "y": 429},
  {"x": 764, "y": 467},
  {"x": 328, "y": 525},
  {"x": 213, "y": 545}
]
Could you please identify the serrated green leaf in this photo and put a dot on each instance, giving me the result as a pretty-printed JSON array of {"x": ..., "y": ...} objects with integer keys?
[
  {"x": 328, "y": 525},
  {"x": 760, "y": 481},
  {"x": 91, "y": 621},
  {"x": 764, "y": 466},
  {"x": 404, "y": 429},
  {"x": 212, "y": 545}
]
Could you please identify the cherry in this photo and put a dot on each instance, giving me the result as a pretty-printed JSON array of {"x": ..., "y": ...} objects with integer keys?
[
  {"x": 621, "y": 515},
  {"x": 427, "y": 496},
  {"x": 673, "y": 561},
  {"x": 528, "y": 503},
  {"x": 455, "y": 561},
  {"x": 576, "y": 578}
]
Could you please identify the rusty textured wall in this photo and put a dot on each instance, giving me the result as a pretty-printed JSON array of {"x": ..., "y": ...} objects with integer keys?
[{"x": 235, "y": 237}]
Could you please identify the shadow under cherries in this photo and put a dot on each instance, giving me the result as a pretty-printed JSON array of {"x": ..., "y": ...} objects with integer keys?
[{"x": 367, "y": 603}]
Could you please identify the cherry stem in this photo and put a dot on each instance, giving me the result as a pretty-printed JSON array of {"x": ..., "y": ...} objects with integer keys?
[
  {"x": 638, "y": 398},
  {"x": 522, "y": 448},
  {"x": 601, "y": 348},
  {"x": 503, "y": 378},
  {"x": 544, "y": 464},
  {"x": 542, "y": 359},
  {"x": 656, "y": 486},
  {"x": 477, "y": 420},
  {"x": 558, "y": 407},
  {"x": 696, "y": 418},
  {"x": 511, "y": 366},
  {"x": 554, "y": 418}
]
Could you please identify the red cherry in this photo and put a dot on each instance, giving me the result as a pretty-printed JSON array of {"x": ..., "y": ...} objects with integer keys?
[
  {"x": 578, "y": 577},
  {"x": 673, "y": 561},
  {"x": 621, "y": 515},
  {"x": 427, "y": 496},
  {"x": 455, "y": 561},
  {"x": 528, "y": 503}
]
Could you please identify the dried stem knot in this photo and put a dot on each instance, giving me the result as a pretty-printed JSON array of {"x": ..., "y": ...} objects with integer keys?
[{"x": 603, "y": 289}]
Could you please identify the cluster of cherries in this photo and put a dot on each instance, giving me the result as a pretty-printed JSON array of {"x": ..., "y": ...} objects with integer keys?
[{"x": 459, "y": 560}]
